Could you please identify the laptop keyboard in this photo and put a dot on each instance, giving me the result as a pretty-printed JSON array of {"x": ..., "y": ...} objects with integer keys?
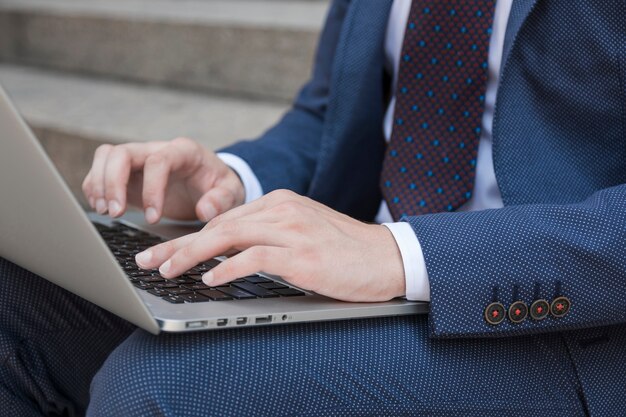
[{"x": 125, "y": 242}]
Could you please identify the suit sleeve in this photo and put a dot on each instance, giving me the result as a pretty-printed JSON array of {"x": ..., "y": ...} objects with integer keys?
[
  {"x": 526, "y": 253},
  {"x": 286, "y": 155}
]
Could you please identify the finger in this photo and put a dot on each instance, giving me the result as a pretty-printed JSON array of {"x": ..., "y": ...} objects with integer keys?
[
  {"x": 217, "y": 241},
  {"x": 86, "y": 187},
  {"x": 176, "y": 155},
  {"x": 155, "y": 256},
  {"x": 155, "y": 178},
  {"x": 116, "y": 175},
  {"x": 215, "y": 201},
  {"x": 97, "y": 178},
  {"x": 121, "y": 162},
  {"x": 265, "y": 202},
  {"x": 270, "y": 259}
]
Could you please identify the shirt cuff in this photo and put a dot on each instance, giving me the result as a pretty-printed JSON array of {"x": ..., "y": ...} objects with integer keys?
[
  {"x": 251, "y": 184},
  {"x": 415, "y": 273}
]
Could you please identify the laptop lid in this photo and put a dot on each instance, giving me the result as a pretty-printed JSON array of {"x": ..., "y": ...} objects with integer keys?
[{"x": 44, "y": 229}]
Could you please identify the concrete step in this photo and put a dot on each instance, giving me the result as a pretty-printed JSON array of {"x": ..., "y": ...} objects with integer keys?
[
  {"x": 248, "y": 48},
  {"x": 73, "y": 115}
]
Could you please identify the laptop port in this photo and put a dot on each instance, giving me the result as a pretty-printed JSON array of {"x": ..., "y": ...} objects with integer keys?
[
  {"x": 222, "y": 322},
  {"x": 263, "y": 320},
  {"x": 196, "y": 324},
  {"x": 242, "y": 320}
]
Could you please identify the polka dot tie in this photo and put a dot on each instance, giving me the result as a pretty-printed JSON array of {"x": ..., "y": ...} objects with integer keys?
[{"x": 430, "y": 163}]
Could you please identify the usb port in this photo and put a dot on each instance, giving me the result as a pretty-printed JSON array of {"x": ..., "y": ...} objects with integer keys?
[
  {"x": 196, "y": 324},
  {"x": 263, "y": 320},
  {"x": 222, "y": 322},
  {"x": 242, "y": 320}
]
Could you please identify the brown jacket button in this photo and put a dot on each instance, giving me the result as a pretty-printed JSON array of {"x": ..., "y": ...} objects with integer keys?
[
  {"x": 539, "y": 310},
  {"x": 518, "y": 312},
  {"x": 494, "y": 313},
  {"x": 560, "y": 307}
]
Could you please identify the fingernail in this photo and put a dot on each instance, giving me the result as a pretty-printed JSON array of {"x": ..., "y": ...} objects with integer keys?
[
  {"x": 208, "y": 212},
  {"x": 101, "y": 206},
  {"x": 152, "y": 216},
  {"x": 208, "y": 278},
  {"x": 144, "y": 257},
  {"x": 92, "y": 202},
  {"x": 165, "y": 268},
  {"x": 114, "y": 208}
]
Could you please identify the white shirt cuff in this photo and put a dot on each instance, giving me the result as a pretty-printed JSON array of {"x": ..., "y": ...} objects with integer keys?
[
  {"x": 415, "y": 274},
  {"x": 251, "y": 184}
]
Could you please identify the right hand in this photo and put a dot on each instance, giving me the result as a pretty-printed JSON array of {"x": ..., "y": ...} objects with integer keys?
[{"x": 178, "y": 179}]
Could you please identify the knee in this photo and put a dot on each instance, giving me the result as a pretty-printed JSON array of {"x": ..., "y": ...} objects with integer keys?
[
  {"x": 126, "y": 383},
  {"x": 179, "y": 374}
]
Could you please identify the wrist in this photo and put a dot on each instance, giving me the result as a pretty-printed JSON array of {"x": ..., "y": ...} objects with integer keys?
[{"x": 394, "y": 275}]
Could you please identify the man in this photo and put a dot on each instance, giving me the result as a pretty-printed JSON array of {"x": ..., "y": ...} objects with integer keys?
[{"x": 530, "y": 245}]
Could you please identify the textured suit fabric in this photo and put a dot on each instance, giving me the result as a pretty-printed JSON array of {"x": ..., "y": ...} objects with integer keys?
[
  {"x": 371, "y": 367},
  {"x": 559, "y": 150},
  {"x": 560, "y": 161},
  {"x": 52, "y": 343}
]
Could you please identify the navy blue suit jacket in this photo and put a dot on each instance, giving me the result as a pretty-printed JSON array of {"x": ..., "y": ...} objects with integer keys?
[{"x": 559, "y": 150}]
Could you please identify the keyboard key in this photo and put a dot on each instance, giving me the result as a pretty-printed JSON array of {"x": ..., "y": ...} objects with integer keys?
[
  {"x": 255, "y": 279},
  {"x": 159, "y": 292},
  {"x": 166, "y": 284},
  {"x": 178, "y": 291},
  {"x": 289, "y": 292},
  {"x": 139, "y": 273},
  {"x": 153, "y": 279},
  {"x": 182, "y": 280},
  {"x": 215, "y": 295},
  {"x": 236, "y": 293},
  {"x": 195, "y": 277},
  {"x": 273, "y": 285},
  {"x": 130, "y": 267},
  {"x": 143, "y": 285},
  {"x": 205, "y": 266},
  {"x": 174, "y": 299},
  {"x": 194, "y": 298},
  {"x": 255, "y": 289},
  {"x": 196, "y": 287}
]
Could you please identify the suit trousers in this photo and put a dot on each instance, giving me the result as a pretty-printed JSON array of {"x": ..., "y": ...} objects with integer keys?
[{"x": 64, "y": 356}]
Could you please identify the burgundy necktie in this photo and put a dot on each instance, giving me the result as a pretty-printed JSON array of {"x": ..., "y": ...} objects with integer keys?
[{"x": 431, "y": 158}]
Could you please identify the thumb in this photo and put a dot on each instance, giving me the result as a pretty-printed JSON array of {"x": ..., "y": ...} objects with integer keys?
[{"x": 215, "y": 202}]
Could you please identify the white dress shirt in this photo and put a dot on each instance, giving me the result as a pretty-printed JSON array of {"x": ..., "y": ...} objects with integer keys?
[{"x": 485, "y": 195}]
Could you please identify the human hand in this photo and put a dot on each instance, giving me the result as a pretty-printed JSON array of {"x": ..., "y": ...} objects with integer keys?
[
  {"x": 306, "y": 243},
  {"x": 178, "y": 179}
]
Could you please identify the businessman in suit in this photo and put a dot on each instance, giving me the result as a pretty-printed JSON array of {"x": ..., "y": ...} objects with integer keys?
[{"x": 489, "y": 143}]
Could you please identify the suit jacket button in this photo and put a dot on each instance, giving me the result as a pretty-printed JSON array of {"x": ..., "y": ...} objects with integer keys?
[
  {"x": 494, "y": 313},
  {"x": 539, "y": 310},
  {"x": 560, "y": 307},
  {"x": 518, "y": 312}
]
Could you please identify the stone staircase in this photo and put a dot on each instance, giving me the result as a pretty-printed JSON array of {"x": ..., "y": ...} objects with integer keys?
[{"x": 86, "y": 72}]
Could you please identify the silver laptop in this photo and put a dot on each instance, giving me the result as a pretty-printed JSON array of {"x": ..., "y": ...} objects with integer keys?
[{"x": 44, "y": 229}]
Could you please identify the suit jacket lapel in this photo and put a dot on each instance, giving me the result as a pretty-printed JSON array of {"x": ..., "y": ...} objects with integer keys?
[{"x": 519, "y": 12}]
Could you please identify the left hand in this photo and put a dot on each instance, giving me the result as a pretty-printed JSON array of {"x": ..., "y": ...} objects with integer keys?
[{"x": 306, "y": 243}]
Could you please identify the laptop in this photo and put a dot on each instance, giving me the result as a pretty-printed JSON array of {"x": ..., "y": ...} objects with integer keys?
[{"x": 44, "y": 229}]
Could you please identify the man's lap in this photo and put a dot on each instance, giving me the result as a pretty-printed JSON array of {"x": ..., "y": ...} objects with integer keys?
[
  {"x": 52, "y": 342},
  {"x": 384, "y": 366}
]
